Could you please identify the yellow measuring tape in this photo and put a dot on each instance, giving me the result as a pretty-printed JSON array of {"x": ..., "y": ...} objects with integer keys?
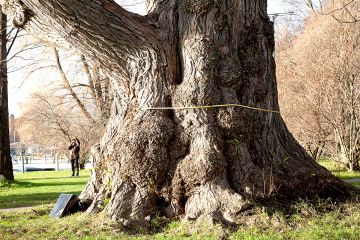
[{"x": 211, "y": 106}]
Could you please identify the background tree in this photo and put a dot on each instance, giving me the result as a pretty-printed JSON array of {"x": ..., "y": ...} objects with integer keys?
[
  {"x": 74, "y": 106},
  {"x": 6, "y": 170},
  {"x": 319, "y": 84},
  {"x": 96, "y": 89},
  {"x": 50, "y": 121},
  {"x": 199, "y": 162}
]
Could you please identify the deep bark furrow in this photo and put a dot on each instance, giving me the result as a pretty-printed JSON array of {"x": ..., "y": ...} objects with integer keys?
[{"x": 204, "y": 168}]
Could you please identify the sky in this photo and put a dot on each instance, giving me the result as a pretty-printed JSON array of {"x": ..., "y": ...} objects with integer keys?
[
  {"x": 273, "y": 6},
  {"x": 20, "y": 90}
]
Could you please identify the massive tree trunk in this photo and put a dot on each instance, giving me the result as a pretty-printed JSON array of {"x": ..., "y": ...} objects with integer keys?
[
  {"x": 196, "y": 162},
  {"x": 6, "y": 169}
]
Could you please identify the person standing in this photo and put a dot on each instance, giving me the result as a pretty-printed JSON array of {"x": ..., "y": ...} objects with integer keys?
[{"x": 74, "y": 155}]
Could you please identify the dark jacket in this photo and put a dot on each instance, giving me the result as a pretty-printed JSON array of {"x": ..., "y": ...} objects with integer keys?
[{"x": 75, "y": 149}]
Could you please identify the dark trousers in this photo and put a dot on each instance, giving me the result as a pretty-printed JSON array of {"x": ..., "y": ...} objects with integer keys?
[{"x": 75, "y": 165}]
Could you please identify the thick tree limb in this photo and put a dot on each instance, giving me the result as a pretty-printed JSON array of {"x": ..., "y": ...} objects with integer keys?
[
  {"x": 91, "y": 25},
  {"x": 122, "y": 43}
]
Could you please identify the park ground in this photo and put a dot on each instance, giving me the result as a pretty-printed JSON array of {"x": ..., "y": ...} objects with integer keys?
[{"x": 25, "y": 206}]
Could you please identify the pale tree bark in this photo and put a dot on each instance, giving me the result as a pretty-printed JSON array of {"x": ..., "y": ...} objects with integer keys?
[
  {"x": 199, "y": 163},
  {"x": 6, "y": 170}
]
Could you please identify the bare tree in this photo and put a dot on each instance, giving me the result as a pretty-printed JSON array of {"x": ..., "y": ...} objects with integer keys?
[
  {"x": 319, "y": 79},
  {"x": 70, "y": 89},
  {"x": 65, "y": 103},
  {"x": 6, "y": 170},
  {"x": 341, "y": 10},
  {"x": 191, "y": 160},
  {"x": 99, "y": 85},
  {"x": 49, "y": 121}
]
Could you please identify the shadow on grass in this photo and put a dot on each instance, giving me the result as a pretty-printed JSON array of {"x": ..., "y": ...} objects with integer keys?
[
  {"x": 348, "y": 177},
  {"x": 59, "y": 184},
  {"x": 55, "y": 178},
  {"x": 21, "y": 184},
  {"x": 16, "y": 184},
  {"x": 30, "y": 200}
]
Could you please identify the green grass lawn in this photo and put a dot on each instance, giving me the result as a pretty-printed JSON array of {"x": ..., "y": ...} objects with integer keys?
[
  {"x": 307, "y": 223},
  {"x": 338, "y": 170},
  {"x": 302, "y": 220},
  {"x": 38, "y": 188}
]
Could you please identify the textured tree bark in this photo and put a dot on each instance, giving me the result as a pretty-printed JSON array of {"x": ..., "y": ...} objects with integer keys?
[
  {"x": 193, "y": 162},
  {"x": 6, "y": 169}
]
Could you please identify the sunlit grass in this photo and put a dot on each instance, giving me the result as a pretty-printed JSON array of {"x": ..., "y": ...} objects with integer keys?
[
  {"x": 338, "y": 170},
  {"x": 342, "y": 222},
  {"x": 36, "y": 188}
]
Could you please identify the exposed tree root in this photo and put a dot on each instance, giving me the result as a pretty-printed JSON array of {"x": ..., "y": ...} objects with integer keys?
[{"x": 216, "y": 202}]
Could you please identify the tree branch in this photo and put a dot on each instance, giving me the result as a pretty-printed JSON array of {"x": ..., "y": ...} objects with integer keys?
[
  {"x": 92, "y": 26},
  {"x": 70, "y": 89}
]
